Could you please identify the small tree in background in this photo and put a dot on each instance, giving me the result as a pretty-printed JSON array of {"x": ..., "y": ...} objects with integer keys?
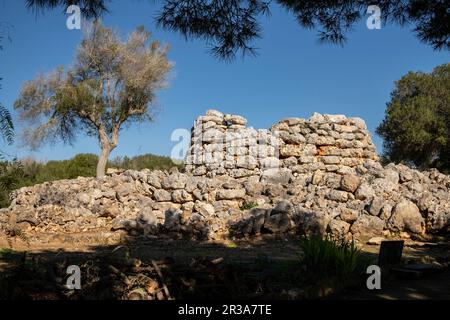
[
  {"x": 112, "y": 84},
  {"x": 416, "y": 127}
]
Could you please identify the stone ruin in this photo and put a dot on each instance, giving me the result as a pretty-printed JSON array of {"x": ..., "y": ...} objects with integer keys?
[
  {"x": 320, "y": 175},
  {"x": 222, "y": 144}
]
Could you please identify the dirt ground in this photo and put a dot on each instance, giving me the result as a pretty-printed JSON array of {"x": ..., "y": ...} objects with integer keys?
[{"x": 256, "y": 268}]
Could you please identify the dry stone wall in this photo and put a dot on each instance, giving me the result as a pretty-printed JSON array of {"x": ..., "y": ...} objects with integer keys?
[
  {"x": 222, "y": 144},
  {"x": 351, "y": 195}
]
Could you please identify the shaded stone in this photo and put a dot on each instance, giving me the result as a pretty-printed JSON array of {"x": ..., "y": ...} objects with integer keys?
[
  {"x": 366, "y": 226},
  {"x": 338, "y": 228}
]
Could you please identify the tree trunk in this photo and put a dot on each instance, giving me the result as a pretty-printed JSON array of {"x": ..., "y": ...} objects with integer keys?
[
  {"x": 107, "y": 146},
  {"x": 103, "y": 161}
]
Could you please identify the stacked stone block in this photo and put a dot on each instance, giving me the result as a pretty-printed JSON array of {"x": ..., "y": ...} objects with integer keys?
[{"x": 222, "y": 144}]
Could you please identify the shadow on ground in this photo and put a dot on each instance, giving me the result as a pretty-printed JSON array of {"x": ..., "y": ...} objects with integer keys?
[{"x": 160, "y": 269}]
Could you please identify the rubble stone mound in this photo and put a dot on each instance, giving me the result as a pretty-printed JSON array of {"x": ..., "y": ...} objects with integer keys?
[{"x": 326, "y": 178}]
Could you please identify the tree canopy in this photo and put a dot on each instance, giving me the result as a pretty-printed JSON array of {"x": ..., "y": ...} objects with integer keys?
[
  {"x": 231, "y": 26},
  {"x": 416, "y": 127},
  {"x": 111, "y": 85}
]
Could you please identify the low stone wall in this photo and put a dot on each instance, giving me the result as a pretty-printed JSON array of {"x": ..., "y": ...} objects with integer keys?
[
  {"x": 325, "y": 179},
  {"x": 222, "y": 144},
  {"x": 375, "y": 201}
]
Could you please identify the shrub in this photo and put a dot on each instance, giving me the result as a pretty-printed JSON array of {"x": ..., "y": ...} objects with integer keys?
[
  {"x": 327, "y": 257},
  {"x": 11, "y": 176},
  {"x": 146, "y": 161}
]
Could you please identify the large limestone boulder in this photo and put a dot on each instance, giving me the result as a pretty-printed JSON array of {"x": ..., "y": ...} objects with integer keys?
[
  {"x": 338, "y": 228},
  {"x": 367, "y": 226},
  {"x": 315, "y": 222},
  {"x": 365, "y": 191},
  {"x": 350, "y": 183},
  {"x": 406, "y": 216}
]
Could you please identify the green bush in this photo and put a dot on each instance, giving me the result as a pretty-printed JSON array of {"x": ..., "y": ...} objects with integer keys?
[
  {"x": 327, "y": 257},
  {"x": 11, "y": 174},
  {"x": 146, "y": 161}
]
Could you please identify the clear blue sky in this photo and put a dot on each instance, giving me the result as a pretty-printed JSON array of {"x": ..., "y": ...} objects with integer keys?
[{"x": 293, "y": 76}]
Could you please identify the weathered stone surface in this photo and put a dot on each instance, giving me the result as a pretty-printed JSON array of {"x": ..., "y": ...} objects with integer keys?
[
  {"x": 174, "y": 181},
  {"x": 383, "y": 185},
  {"x": 280, "y": 176},
  {"x": 277, "y": 223},
  {"x": 406, "y": 216},
  {"x": 172, "y": 220},
  {"x": 365, "y": 191},
  {"x": 375, "y": 241},
  {"x": 349, "y": 215},
  {"x": 291, "y": 150},
  {"x": 322, "y": 173},
  {"x": 147, "y": 218},
  {"x": 315, "y": 222},
  {"x": 283, "y": 207},
  {"x": 386, "y": 211},
  {"x": 350, "y": 183},
  {"x": 317, "y": 177},
  {"x": 226, "y": 194},
  {"x": 376, "y": 205},
  {"x": 162, "y": 195},
  {"x": 337, "y": 195},
  {"x": 366, "y": 226},
  {"x": 181, "y": 196},
  {"x": 338, "y": 228},
  {"x": 205, "y": 209}
]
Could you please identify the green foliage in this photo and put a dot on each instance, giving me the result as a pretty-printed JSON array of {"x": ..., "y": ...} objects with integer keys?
[
  {"x": 327, "y": 257},
  {"x": 82, "y": 165},
  {"x": 416, "y": 127},
  {"x": 6, "y": 252},
  {"x": 11, "y": 175},
  {"x": 146, "y": 161},
  {"x": 111, "y": 85},
  {"x": 6, "y": 124},
  {"x": 248, "y": 205},
  {"x": 27, "y": 172}
]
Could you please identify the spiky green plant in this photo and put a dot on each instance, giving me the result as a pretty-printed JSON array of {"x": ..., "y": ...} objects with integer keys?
[{"x": 327, "y": 257}]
